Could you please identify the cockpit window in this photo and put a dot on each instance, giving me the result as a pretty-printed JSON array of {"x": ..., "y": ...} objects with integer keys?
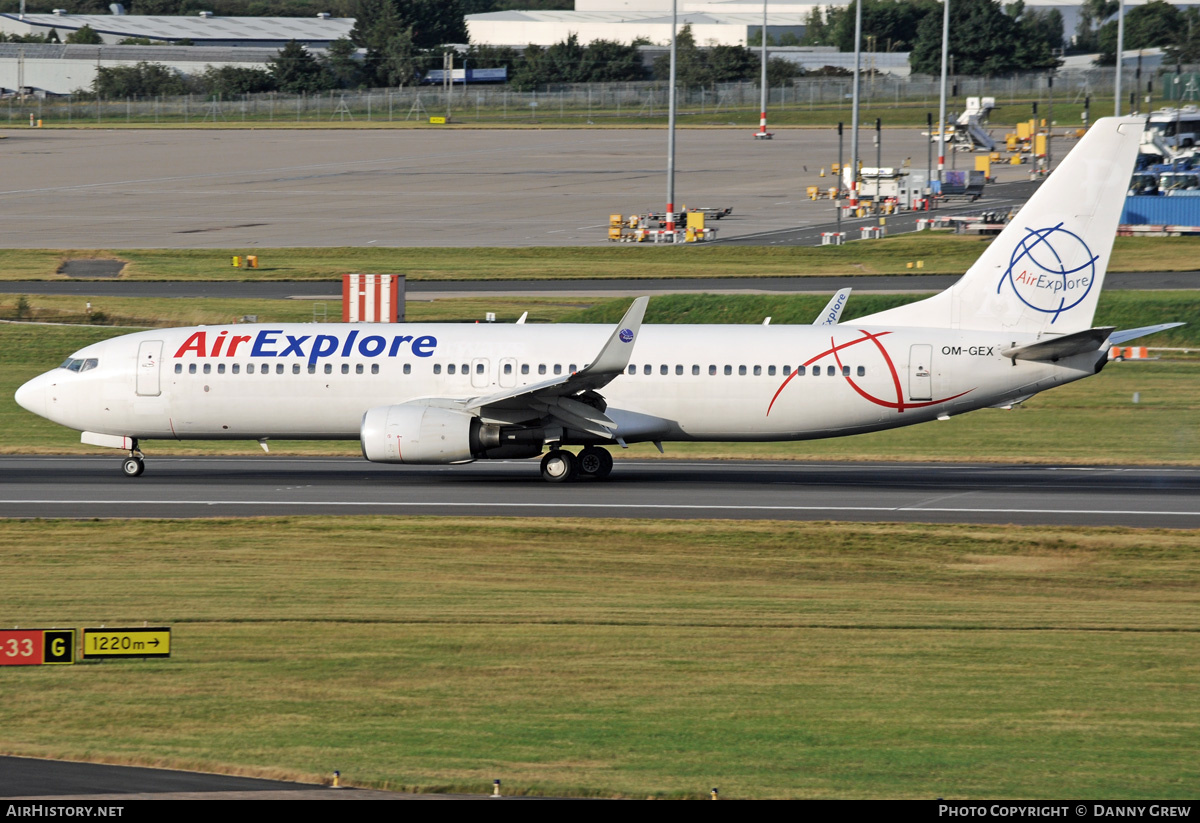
[{"x": 79, "y": 364}]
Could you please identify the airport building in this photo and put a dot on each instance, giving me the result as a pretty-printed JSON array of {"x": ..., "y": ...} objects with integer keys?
[
  {"x": 713, "y": 22},
  {"x": 203, "y": 29},
  {"x": 46, "y": 68}
]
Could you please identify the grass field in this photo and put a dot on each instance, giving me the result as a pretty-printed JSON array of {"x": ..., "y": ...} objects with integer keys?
[
  {"x": 624, "y": 658},
  {"x": 797, "y": 112},
  {"x": 941, "y": 253}
]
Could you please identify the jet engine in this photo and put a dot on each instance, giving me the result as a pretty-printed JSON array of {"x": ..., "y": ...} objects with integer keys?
[{"x": 412, "y": 433}]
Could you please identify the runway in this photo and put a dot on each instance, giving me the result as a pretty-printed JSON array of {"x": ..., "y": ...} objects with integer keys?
[{"x": 1142, "y": 497}]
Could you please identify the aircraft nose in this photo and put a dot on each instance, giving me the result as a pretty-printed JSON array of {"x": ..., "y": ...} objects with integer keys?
[{"x": 32, "y": 396}]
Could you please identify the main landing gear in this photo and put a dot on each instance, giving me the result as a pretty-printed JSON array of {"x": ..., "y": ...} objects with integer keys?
[
  {"x": 560, "y": 466},
  {"x": 135, "y": 463}
]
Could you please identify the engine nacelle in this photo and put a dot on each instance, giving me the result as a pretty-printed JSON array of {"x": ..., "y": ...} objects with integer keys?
[
  {"x": 409, "y": 433},
  {"x": 412, "y": 433}
]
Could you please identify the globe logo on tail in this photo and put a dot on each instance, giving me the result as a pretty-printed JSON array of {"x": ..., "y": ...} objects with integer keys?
[{"x": 1051, "y": 270}]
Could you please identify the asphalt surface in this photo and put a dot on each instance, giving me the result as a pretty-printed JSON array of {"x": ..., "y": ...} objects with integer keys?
[
  {"x": 745, "y": 490},
  {"x": 251, "y": 189},
  {"x": 998, "y": 197},
  {"x": 23, "y": 778}
]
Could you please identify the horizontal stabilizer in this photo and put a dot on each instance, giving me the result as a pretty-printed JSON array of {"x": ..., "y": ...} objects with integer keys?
[
  {"x": 1125, "y": 335},
  {"x": 1056, "y": 348}
]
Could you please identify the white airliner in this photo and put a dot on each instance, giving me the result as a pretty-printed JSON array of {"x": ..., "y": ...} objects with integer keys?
[{"x": 1017, "y": 323}]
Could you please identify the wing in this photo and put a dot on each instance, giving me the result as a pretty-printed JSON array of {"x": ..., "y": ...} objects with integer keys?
[{"x": 572, "y": 400}]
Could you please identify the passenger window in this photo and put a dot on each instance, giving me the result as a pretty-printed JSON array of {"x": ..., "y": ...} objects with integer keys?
[
  {"x": 845, "y": 371},
  {"x": 279, "y": 368},
  {"x": 862, "y": 371},
  {"x": 695, "y": 369},
  {"x": 788, "y": 370},
  {"x": 816, "y": 372},
  {"x": 374, "y": 368},
  {"x": 220, "y": 368},
  {"x": 295, "y": 368},
  {"x": 236, "y": 368},
  {"x": 800, "y": 370},
  {"x": 329, "y": 368},
  {"x": 770, "y": 371},
  {"x": 508, "y": 368},
  {"x": 712, "y": 370},
  {"x": 407, "y": 368},
  {"x": 479, "y": 368},
  {"x": 742, "y": 371},
  {"x": 728, "y": 370},
  {"x": 647, "y": 369},
  {"x": 358, "y": 368},
  {"x": 179, "y": 368},
  {"x": 757, "y": 371},
  {"x": 345, "y": 368},
  {"x": 437, "y": 368},
  {"x": 558, "y": 368},
  {"x": 466, "y": 369},
  {"x": 208, "y": 368},
  {"x": 312, "y": 368},
  {"x": 678, "y": 369},
  {"x": 541, "y": 368},
  {"x": 572, "y": 369},
  {"x": 449, "y": 369},
  {"x": 830, "y": 370},
  {"x": 191, "y": 368},
  {"x": 663, "y": 369},
  {"x": 524, "y": 368},
  {"x": 632, "y": 369}
]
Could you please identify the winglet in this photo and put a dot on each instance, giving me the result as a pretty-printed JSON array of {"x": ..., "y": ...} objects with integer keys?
[
  {"x": 832, "y": 313},
  {"x": 614, "y": 357}
]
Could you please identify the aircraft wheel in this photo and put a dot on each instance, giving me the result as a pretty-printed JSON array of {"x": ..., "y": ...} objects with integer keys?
[
  {"x": 559, "y": 466},
  {"x": 595, "y": 462},
  {"x": 133, "y": 466}
]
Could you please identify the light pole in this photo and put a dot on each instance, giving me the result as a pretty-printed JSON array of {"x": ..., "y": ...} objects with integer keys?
[
  {"x": 1120, "y": 51},
  {"x": 762, "y": 133},
  {"x": 942, "y": 104},
  {"x": 671, "y": 130},
  {"x": 854, "y": 106}
]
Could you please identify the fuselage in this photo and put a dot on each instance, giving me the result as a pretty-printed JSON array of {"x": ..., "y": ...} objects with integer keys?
[{"x": 749, "y": 383}]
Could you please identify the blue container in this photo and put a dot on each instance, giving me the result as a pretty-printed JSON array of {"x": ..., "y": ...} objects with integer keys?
[{"x": 1161, "y": 211}]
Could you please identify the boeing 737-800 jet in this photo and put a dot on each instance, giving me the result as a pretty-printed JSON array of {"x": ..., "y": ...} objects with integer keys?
[{"x": 1017, "y": 323}]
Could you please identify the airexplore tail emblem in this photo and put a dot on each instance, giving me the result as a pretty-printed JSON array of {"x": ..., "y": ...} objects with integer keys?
[
  {"x": 1044, "y": 272},
  {"x": 1050, "y": 267}
]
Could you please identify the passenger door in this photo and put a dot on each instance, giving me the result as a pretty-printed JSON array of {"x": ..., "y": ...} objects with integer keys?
[
  {"x": 148, "y": 362},
  {"x": 920, "y": 372}
]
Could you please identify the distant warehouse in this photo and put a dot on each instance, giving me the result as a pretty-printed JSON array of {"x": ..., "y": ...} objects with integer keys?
[
  {"x": 205, "y": 29},
  {"x": 46, "y": 68}
]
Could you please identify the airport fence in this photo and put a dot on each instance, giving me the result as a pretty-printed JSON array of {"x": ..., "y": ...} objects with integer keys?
[{"x": 577, "y": 103}]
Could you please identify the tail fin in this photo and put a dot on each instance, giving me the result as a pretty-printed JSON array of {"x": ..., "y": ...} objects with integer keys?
[{"x": 1044, "y": 272}]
